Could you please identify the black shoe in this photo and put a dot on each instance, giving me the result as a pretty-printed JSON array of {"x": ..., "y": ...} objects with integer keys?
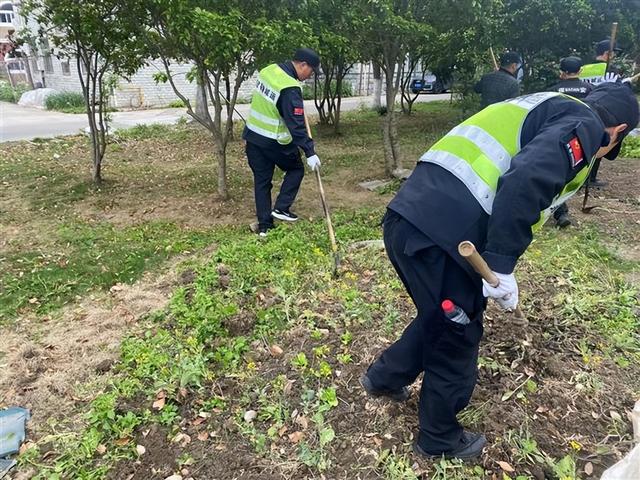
[
  {"x": 471, "y": 445},
  {"x": 262, "y": 231},
  {"x": 563, "y": 221},
  {"x": 598, "y": 183},
  {"x": 286, "y": 216},
  {"x": 401, "y": 395}
]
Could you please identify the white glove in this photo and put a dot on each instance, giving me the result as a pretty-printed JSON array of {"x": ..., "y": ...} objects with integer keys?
[
  {"x": 610, "y": 77},
  {"x": 313, "y": 161},
  {"x": 506, "y": 293}
]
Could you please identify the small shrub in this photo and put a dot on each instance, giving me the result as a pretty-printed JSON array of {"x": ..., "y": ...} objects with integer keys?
[
  {"x": 67, "y": 102},
  {"x": 177, "y": 104},
  {"x": 9, "y": 94},
  {"x": 630, "y": 147},
  {"x": 307, "y": 90}
]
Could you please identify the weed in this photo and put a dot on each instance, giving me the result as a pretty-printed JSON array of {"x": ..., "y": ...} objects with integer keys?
[
  {"x": 396, "y": 467},
  {"x": 67, "y": 102}
]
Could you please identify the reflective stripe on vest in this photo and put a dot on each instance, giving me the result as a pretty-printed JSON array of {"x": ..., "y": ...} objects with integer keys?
[
  {"x": 479, "y": 150},
  {"x": 264, "y": 117},
  {"x": 593, "y": 72}
]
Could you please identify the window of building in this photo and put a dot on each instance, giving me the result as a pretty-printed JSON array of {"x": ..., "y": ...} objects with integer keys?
[
  {"x": 6, "y": 14},
  {"x": 66, "y": 70}
]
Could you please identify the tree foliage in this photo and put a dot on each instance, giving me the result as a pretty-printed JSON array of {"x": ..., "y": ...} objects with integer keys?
[{"x": 104, "y": 38}]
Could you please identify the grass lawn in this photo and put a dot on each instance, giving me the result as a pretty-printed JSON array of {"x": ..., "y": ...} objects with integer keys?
[{"x": 152, "y": 335}]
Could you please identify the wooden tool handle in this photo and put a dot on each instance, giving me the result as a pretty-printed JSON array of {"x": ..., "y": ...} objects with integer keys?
[
  {"x": 493, "y": 58},
  {"x": 323, "y": 199},
  {"x": 469, "y": 252}
]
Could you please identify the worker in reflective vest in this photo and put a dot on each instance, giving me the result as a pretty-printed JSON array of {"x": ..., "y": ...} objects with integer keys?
[
  {"x": 275, "y": 132},
  {"x": 491, "y": 180},
  {"x": 600, "y": 71}
]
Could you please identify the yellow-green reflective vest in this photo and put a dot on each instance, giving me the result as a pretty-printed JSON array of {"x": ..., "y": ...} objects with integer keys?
[
  {"x": 479, "y": 150},
  {"x": 264, "y": 118},
  {"x": 593, "y": 72}
]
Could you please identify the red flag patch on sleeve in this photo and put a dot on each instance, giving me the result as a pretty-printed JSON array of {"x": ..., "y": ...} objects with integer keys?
[
  {"x": 298, "y": 111},
  {"x": 575, "y": 152}
]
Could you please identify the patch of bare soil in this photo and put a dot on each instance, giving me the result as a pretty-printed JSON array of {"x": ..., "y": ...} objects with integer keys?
[
  {"x": 617, "y": 211},
  {"x": 45, "y": 361}
]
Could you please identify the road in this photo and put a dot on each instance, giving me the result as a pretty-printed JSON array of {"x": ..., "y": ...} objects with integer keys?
[{"x": 26, "y": 123}]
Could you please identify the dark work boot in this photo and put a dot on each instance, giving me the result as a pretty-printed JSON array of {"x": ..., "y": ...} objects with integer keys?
[
  {"x": 401, "y": 395},
  {"x": 563, "y": 221},
  {"x": 471, "y": 445}
]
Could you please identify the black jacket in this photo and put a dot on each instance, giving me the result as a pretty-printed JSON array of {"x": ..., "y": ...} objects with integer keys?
[
  {"x": 291, "y": 108},
  {"x": 442, "y": 208},
  {"x": 572, "y": 86},
  {"x": 496, "y": 87}
]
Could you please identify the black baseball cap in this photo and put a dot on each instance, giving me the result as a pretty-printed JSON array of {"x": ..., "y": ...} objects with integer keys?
[
  {"x": 603, "y": 46},
  {"x": 508, "y": 58},
  {"x": 309, "y": 56},
  {"x": 571, "y": 64},
  {"x": 616, "y": 104}
]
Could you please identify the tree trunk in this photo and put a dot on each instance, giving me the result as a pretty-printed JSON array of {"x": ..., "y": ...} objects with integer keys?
[
  {"x": 221, "y": 155},
  {"x": 377, "y": 86},
  {"x": 201, "y": 101},
  {"x": 389, "y": 125}
]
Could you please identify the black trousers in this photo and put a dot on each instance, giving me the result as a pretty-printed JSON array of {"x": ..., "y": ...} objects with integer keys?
[
  {"x": 445, "y": 351},
  {"x": 263, "y": 162},
  {"x": 593, "y": 175}
]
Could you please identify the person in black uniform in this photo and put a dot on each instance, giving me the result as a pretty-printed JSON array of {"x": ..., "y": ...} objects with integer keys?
[
  {"x": 569, "y": 84},
  {"x": 434, "y": 211},
  {"x": 502, "y": 84},
  {"x": 265, "y": 153},
  {"x": 612, "y": 74}
]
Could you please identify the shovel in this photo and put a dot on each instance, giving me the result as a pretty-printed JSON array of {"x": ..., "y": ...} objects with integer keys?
[{"x": 468, "y": 251}]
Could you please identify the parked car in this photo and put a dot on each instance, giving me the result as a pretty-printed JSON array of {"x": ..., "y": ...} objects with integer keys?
[{"x": 430, "y": 84}]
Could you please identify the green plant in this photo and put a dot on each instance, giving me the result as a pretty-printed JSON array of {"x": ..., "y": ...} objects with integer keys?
[
  {"x": 67, "y": 102},
  {"x": 396, "y": 467},
  {"x": 178, "y": 103},
  {"x": 10, "y": 94},
  {"x": 630, "y": 147}
]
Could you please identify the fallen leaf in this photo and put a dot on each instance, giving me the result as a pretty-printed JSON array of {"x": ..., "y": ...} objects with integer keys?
[
  {"x": 122, "y": 441},
  {"x": 275, "y": 350},
  {"x": 250, "y": 416},
  {"x": 140, "y": 449},
  {"x": 204, "y": 414},
  {"x": 588, "y": 468},
  {"x": 542, "y": 409},
  {"x": 302, "y": 421},
  {"x": 181, "y": 438},
  {"x": 529, "y": 372},
  {"x": 282, "y": 431},
  {"x": 101, "y": 449},
  {"x": 33, "y": 300},
  {"x": 506, "y": 467},
  {"x": 159, "y": 404},
  {"x": 295, "y": 437},
  {"x": 26, "y": 446},
  {"x": 202, "y": 436},
  {"x": 615, "y": 415},
  {"x": 198, "y": 421}
]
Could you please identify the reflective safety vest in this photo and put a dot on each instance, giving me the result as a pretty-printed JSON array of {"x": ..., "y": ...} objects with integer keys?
[
  {"x": 593, "y": 72},
  {"x": 479, "y": 150},
  {"x": 264, "y": 117}
]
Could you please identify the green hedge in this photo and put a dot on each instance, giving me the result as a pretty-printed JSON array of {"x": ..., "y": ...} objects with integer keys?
[
  {"x": 347, "y": 90},
  {"x": 9, "y": 94},
  {"x": 67, "y": 102}
]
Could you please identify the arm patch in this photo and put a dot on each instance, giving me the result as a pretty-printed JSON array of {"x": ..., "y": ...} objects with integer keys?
[{"x": 574, "y": 151}]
